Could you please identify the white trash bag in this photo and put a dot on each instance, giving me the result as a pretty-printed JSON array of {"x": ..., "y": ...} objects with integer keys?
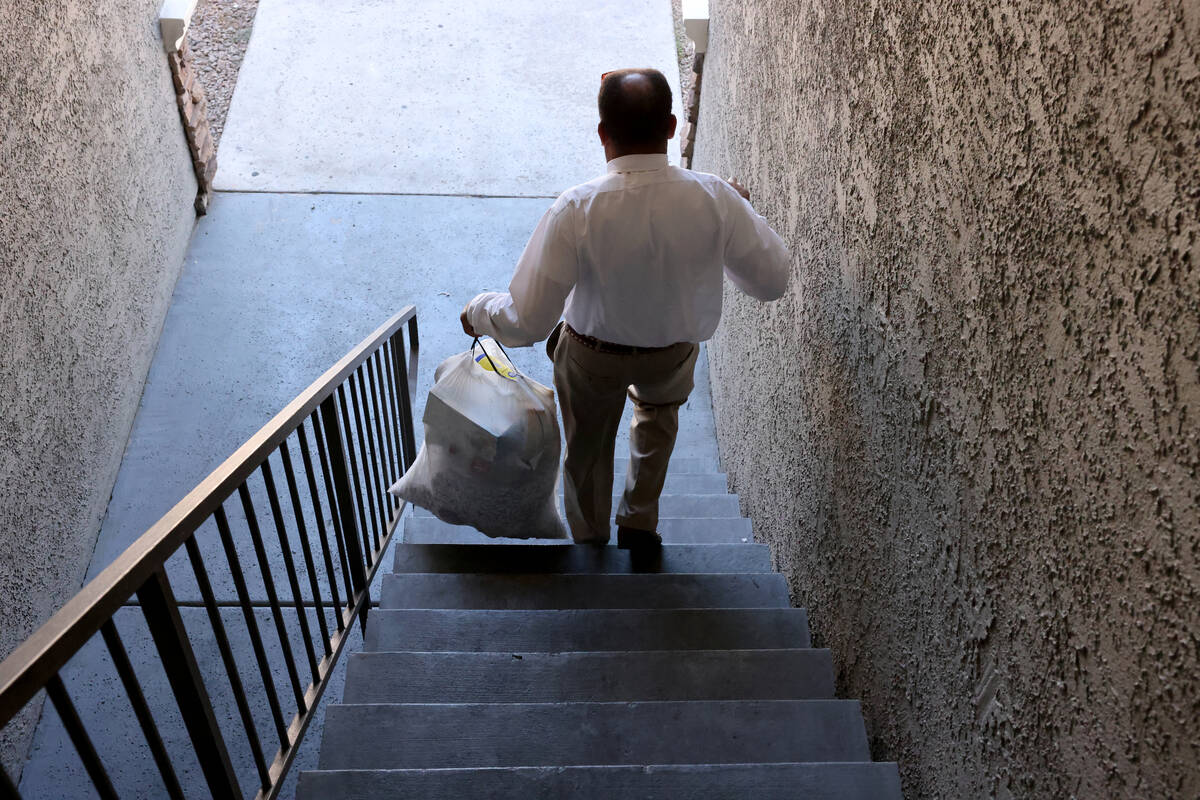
[{"x": 491, "y": 453}]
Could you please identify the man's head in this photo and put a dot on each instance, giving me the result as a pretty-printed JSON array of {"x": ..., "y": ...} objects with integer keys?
[{"x": 635, "y": 112}]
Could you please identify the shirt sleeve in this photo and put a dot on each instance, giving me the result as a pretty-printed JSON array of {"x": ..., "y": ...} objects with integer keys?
[
  {"x": 756, "y": 259},
  {"x": 546, "y": 273}
]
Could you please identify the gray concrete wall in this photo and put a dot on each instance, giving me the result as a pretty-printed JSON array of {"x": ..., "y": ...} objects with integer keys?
[
  {"x": 96, "y": 193},
  {"x": 969, "y": 431}
]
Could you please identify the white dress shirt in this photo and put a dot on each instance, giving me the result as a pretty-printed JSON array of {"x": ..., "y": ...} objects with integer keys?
[{"x": 636, "y": 256}]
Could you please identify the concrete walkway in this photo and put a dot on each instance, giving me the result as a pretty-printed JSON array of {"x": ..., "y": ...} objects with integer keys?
[
  {"x": 476, "y": 97},
  {"x": 376, "y": 155}
]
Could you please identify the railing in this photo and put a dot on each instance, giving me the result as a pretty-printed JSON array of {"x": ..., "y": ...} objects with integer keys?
[{"x": 353, "y": 431}]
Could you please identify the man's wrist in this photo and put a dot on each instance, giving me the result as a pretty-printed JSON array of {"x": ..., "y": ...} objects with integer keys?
[
  {"x": 476, "y": 315},
  {"x": 470, "y": 316}
]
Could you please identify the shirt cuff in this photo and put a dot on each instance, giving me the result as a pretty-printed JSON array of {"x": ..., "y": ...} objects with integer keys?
[{"x": 481, "y": 309}]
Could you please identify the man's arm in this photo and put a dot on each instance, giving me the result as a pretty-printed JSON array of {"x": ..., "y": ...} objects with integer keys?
[
  {"x": 756, "y": 259},
  {"x": 545, "y": 276}
]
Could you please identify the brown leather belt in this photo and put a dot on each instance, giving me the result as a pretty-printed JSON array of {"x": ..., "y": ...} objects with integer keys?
[{"x": 601, "y": 346}]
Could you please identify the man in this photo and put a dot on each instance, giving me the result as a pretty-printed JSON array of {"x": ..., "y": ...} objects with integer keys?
[{"x": 636, "y": 256}]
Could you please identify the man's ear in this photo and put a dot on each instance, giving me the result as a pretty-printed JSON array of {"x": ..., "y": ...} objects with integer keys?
[
  {"x": 602, "y": 132},
  {"x": 671, "y": 128}
]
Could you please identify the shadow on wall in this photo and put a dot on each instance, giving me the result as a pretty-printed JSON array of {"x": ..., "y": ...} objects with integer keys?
[{"x": 968, "y": 431}]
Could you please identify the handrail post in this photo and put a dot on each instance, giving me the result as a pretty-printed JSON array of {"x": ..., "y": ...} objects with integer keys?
[
  {"x": 179, "y": 663},
  {"x": 345, "y": 500},
  {"x": 414, "y": 349},
  {"x": 405, "y": 377}
]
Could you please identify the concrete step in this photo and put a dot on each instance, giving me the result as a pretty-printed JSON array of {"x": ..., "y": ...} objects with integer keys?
[
  {"x": 595, "y": 677},
  {"x": 479, "y": 590},
  {"x": 679, "y": 483},
  {"x": 827, "y": 781},
  {"x": 683, "y": 506},
  {"x": 684, "y": 448},
  {"x": 680, "y": 464},
  {"x": 569, "y": 559},
  {"x": 427, "y": 736},
  {"x": 591, "y": 629},
  {"x": 425, "y": 530}
]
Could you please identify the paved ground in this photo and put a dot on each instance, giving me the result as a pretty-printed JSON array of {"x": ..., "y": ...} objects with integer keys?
[
  {"x": 356, "y": 101},
  {"x": 472, "y": 97}
]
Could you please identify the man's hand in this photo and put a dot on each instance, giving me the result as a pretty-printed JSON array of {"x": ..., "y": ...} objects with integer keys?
[
  {"x": 467, "y": 329},
  {"x": 737, "y": 187}
]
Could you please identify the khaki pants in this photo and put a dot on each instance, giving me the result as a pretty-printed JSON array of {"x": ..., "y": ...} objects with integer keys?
[{"x": 591, "y": 388}]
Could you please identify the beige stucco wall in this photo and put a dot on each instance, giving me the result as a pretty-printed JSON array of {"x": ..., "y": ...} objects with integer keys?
[
  {"x": 971, "y": 430},
  {"x": 96, "y": 193}
]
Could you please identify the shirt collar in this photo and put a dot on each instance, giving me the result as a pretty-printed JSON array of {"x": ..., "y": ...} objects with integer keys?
[{"x": 641, "y": 162}]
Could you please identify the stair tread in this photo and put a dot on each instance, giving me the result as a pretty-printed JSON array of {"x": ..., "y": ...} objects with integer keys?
[
  {"x": 410, "y": 735},
  {"x": 536, "y": 591},
  {"x": 785, "y": 781},
  {"x": 571, "y": 559},
  {"x": 414, "y": 677},
  {"x": 679, "y": 464},
  {"x": 694, "y": 505},
  {"x": 589, "y": 629},
  {"x": 428, "y": 530},
  {"x": 679, "y": 483}
]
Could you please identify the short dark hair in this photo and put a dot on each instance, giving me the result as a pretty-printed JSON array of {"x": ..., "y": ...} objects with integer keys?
[{"x": 634, "y": 113}]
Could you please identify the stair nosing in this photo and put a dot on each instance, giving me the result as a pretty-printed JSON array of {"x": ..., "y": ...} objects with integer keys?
[
  {"x": 556, "y": 767},
  {"x": 617, "y": 575},
  {"x": 543, "y": 653},
  {"x": 623, "y": 703},
  {"x": 606, "y": 609}
]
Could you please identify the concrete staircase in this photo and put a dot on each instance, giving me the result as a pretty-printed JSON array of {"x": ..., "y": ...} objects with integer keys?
[{"x": 505, "y": 669}]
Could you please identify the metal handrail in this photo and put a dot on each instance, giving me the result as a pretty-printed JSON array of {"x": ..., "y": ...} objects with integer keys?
[{"x": 360, "y": 414}]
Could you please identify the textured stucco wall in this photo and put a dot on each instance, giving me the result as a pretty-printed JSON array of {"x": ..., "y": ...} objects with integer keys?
[
  {"x": 96, "y": 191},
  {"x": 970, "y": 430}
]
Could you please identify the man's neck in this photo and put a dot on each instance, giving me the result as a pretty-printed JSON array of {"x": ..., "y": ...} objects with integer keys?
[{"x": 612, "y": 151}]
